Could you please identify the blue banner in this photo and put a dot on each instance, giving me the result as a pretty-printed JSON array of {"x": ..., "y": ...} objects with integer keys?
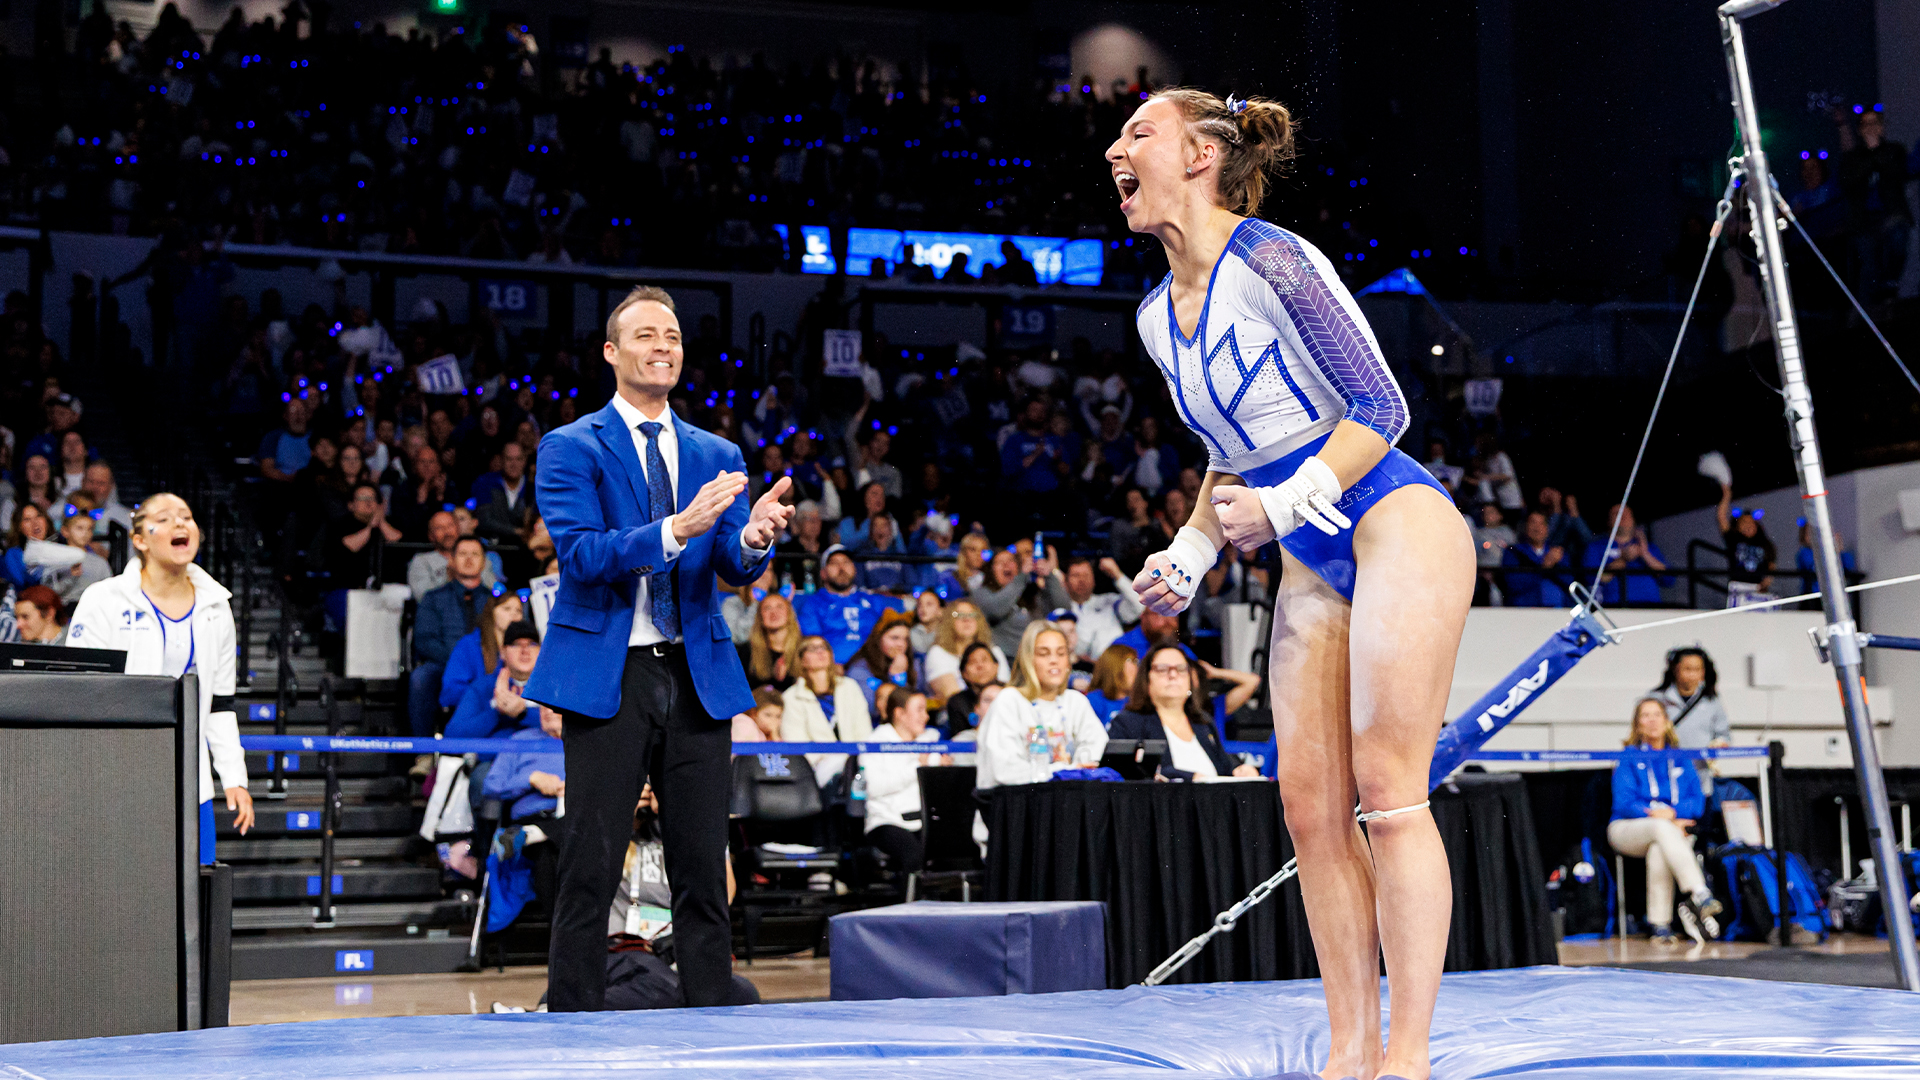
[{"x": 400, "y": 744}]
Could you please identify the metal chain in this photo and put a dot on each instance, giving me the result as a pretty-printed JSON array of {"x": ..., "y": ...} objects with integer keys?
[{"x": 1222, "y": 923}]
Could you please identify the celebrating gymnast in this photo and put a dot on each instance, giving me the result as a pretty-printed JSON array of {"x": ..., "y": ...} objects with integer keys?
[{"x": 1270, "y": 361}]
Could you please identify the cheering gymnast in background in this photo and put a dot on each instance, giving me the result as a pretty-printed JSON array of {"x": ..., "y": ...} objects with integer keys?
[{"x": 1271, "y": 363}]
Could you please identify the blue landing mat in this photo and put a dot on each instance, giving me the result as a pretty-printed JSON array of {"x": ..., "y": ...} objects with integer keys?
[{"x": 1591, "y": 1023}]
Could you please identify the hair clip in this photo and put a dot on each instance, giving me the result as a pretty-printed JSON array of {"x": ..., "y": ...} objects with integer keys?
[{"x": 1235, "y": 105}]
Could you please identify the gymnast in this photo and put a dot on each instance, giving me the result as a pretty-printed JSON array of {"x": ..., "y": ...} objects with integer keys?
[{"x": 1271, "y": 363}]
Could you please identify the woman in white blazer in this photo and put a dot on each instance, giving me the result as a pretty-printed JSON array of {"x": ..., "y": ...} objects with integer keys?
[
  {"x": 172, "y": 618},
  {"x": 823, "y": 705}
]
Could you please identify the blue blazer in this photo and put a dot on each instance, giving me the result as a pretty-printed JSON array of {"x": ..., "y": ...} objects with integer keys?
[{"x": 593, "y": 493}]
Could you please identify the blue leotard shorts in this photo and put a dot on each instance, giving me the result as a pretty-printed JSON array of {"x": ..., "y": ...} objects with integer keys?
[{"x": 1331, "y": 557}]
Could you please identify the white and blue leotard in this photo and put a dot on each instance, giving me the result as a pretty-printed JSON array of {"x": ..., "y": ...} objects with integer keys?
[{"x": 1280, "y": 356}]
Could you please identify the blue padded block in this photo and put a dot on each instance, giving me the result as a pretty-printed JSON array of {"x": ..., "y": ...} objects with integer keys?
[
  {"x": 1543, "y": 1023},
  {"x": 941, "y": 949}
]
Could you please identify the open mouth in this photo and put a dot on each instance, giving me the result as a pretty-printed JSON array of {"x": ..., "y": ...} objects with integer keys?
[
  {"x": 179, "y": 541},
  {"x": 1129, "y": 185}
]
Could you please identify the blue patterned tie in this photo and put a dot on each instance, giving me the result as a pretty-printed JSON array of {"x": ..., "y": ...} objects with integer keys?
[{"x": 665, "y": 611}]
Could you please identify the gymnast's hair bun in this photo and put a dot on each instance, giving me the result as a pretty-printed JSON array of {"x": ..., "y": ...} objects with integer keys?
[{"x": 1255, "y": 136}]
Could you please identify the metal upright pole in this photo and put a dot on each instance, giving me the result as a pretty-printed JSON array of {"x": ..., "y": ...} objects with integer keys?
[{"x": 1841, "y": 631}]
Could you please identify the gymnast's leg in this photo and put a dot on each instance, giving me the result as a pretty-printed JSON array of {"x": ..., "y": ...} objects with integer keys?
[
  {"x": 1412, "y": 590},
  {"x": 1310, "y": 677}
]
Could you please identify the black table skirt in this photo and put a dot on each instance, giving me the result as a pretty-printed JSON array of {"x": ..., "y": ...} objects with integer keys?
[{"x": 1167, "y": 857}]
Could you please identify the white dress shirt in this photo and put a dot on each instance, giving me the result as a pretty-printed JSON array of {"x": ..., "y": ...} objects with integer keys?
[{"x": 644, "y": 632}]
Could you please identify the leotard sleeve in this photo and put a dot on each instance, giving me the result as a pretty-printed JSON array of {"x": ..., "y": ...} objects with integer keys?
[{"x": 1329, "y": 325}]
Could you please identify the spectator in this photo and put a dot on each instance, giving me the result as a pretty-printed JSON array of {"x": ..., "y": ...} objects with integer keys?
[
  {"x": 854, "y": 527},
  {"x": 974, "y": 556},
  {"x": 100, "y": 487},
  {"x": 31, "y": 526},
  {"x": 638, "y": 977},
  {"x": 1041, "y": 727},
  {"x": 837, "y": 611},
  {"x": 873, "y": 468},
  {"x": 1031, "y": 460},
  {"x": 76, "y": 532},
  {"x": 1566, "y": 529},
  {"x": 1153, "y": 629},
  {"x": 978, "y": 671},
  {"x": 37, "y": 612},
  {"x": 495, "y": 709},
  {"x": 739, "y": 605},
  {"x": 1113, "y": 676},
  {"x": 887, "y": 657},
  {"x": 351, "y": 550},
  {"x": 1491, "y": 539},
  {"x": 801, "y": 550},
  {"x": 73, "y": 463},
  {"x": 1134, "y": 535},
  {"x": 823, "y": 706},
  {"x": 36, "y": 483},
  {"x": 893, "y": 782},
  {"x": 1008, "y": 598},
  {"x": 763, "y": 723},
  {"x": 1151, "y": 464},
  {"x": 429, "y": 570},
  {"x": 1873, "y": 180},
  {"x": 1631, "y": 551},
  {"x": 772, "y": 652},
  {"x": 1750, "y": 552},
  {"x": 1527, "y": 582},
  {"x": 1167, "y": 703},
  {"x": 1690, "y": 690},
  {"x": 1656, "y": 799},
  {"x": 934, "y": 540},
  {"x": 1497, "y": 481},
  {"x": 878, "y": 573},
  {"x": 529, "y": 784},
  {"x": 446, "y": 615},
  {"x": 426, "y": 492},
  {"x": 284, "y": 450},
  {"x": 928, "y": 614},
  {"x": 964, "y": 627},
  {"x": 1105, "y": 616},
  {"x": 1804, "y": 558},
  {"x": 1449, "y": 475},
  {"x": 63, "y": 412},
  {"x": 503, "y": 501},
  {"x": 477, "y": 655}
]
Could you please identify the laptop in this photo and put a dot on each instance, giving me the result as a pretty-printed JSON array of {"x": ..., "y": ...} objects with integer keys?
[
  {"x": 43, "y": 658},
  {"x": 1134, "y": 759}
]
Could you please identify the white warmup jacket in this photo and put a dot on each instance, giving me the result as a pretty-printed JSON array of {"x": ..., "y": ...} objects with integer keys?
[
  {"x": 115, "y": 614},
  {"x": 893, "y": 782},
  {"x": 1015, "y": 729},
  {"x": 803, "y": 720}
]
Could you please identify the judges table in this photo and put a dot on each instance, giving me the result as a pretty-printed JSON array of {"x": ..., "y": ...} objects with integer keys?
[{"x": 1167, "y": 857}]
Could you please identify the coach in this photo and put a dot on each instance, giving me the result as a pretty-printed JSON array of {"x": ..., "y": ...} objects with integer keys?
[{"x": 644, "y": 510}]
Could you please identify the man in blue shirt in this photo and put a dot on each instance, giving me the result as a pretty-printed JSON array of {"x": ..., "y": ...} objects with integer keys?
[
  {"x": 837, "y": 611},
  {"x": 445, "y": 615},
  {"x": 1153, "y": 629},
  {"x": 1031, "y": 457},
  {"x": 1631, "y": 551}
]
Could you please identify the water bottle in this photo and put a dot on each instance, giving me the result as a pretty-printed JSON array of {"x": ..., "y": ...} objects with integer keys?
[
  {"x": 1039, "y": 750},
  {"x": 858, "y": 793}
]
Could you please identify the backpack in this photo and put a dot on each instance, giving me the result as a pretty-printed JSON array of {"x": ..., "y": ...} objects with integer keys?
[
  {"x": 1582, "y": 887},
  {"x": 1749, "y": 878}
]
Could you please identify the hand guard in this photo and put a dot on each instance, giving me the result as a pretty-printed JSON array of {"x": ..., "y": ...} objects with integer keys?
[
  {"x": 1192, "y": 555},
  {"x": 1306, "y": 497}
]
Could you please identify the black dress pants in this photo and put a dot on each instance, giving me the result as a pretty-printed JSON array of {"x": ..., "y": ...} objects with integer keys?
[{"x": 663, "y": 734}]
